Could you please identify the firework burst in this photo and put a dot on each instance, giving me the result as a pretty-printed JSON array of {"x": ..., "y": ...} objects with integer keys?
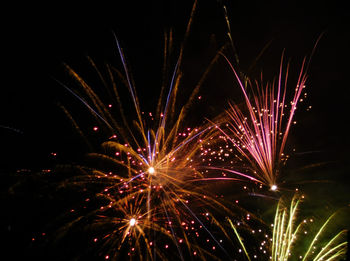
[
  {"x": 154, "y": 196},
  {"x": 260, "y": 130},
  {"x": 288, "y": 237}
]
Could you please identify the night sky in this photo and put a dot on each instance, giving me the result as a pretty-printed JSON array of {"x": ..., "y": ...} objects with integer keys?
[{"x": 37, "y": 40}]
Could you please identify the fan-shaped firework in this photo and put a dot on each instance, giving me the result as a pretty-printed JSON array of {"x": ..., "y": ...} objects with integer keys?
[
  {"x": 260, "y": 130},
  {"x": 288, "y": 236},
  {"x": 286, "y": 232}
]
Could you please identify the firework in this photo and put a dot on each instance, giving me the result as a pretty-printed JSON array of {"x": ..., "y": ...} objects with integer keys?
[
  {"x": 260, "y": 130},
  {"x": 288, "y": 236},
  {"x": 153, "y": 196}
]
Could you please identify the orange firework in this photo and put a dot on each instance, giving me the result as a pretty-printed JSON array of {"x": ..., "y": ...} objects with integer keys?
[{"x": 154, "y": 196}]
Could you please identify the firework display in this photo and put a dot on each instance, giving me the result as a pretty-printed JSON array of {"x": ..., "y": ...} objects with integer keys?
[
  {"x": 161, "y": 187},
  {"x": 156, "y": 185}
]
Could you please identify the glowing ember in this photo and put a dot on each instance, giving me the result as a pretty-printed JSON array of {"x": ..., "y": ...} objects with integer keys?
[
  {"x": 151, "y": 170},
  {"x": 273, "y": 187},
  {"x": 132, "y": 222}
]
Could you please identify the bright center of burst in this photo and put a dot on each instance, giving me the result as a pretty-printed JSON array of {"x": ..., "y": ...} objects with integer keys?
[
  {"x": 132, "y": 222},
  {"x": 274, "y": 187},
  {"x": 151, "y": 170}
]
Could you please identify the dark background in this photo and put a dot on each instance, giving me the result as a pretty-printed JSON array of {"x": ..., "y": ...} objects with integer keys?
[{"x": 37, "y": 40}]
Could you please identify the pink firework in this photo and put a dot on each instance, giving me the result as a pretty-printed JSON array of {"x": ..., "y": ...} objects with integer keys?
[{"x": 259, "y": 131}]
